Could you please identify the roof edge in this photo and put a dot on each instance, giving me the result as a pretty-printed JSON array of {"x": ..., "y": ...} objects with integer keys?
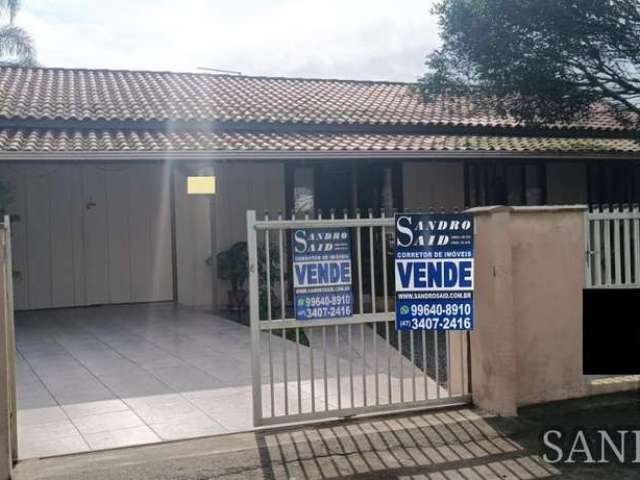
[
  {"x": 320, "y": 128},
  {"x": 210, "y": 74},
  {"x": 282, "y": 155}
]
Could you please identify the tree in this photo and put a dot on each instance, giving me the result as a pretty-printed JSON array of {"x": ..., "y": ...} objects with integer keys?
[
  {"x": 539, "y": 60},
  {"x": 16, "y": 46}
]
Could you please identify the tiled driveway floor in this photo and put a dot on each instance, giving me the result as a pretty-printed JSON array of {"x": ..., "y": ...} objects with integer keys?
[{"x": 105, "y": 377}]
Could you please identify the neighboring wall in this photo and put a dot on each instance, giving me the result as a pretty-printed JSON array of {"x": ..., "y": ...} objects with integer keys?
[
  {"x": 529, "y": 278},
  {"x": 430, "y": 184},
  {"x": 243, "y": 186},
  {"x": 566, "y": 183}
]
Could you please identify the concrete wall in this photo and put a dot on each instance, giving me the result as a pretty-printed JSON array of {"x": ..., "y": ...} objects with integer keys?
[
  {"x": 431, "y": 184},
  {"x": 493, "y": 342},
  {"x": 243, "y": 186},
  {"x": 547, "y": 249},
  {"x": 566, "y": 183},
  {"x": 529, "y": 273}
]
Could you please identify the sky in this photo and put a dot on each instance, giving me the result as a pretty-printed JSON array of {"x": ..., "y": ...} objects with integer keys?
[{"x": 355, "y": 39}]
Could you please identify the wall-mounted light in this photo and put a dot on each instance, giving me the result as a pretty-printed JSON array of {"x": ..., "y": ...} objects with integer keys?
[{"x": 201, "y": 185}]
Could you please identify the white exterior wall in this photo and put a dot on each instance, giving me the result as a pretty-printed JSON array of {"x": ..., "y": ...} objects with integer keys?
[
  {"x": 93, "y": 233},
  {"x": 193, "y": 236},
  {"x": 120, "y": 250},
  {"x": 566, "y": 183},
  {"x": 240, "y": 187},
  {"x": 431, "y": 184}
]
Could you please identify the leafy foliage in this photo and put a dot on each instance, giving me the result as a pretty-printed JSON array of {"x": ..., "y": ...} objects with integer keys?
[
  {"x": 233, "y": 265},
  {"x": 539, "y": 60},
  {"x": 16, "y": 46},
  {"x": 274, "y": 280},
  {"x": 10, "y": 7}
]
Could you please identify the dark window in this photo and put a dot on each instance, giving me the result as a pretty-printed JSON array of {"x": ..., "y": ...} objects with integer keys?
[
  {"x": 303, "y": 191},
  {"x": 501, "y": 183},
  {"x": 611, "y": 183},
  {"x": 477, "y": 182},
  {"x": 379, "y": 188},
  {"x": 516, "y": 185},
  {"x": 535, "y": 179},
  {"x": 334, "y": 187},
  {"x": 343, "y": 185}
]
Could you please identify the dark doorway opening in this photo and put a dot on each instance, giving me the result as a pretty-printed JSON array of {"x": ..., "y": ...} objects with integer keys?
[
  {"x": 334, "y": 188},
  {"x": 366, "y": 187},
  {"x": 340, "y": 186}
]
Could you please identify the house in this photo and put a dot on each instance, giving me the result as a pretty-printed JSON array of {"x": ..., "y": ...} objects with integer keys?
[{"x": 99, "y": 163}]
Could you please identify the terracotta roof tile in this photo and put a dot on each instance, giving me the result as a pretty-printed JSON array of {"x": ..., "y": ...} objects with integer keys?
[
  {"x": 76, "y": 94},
  {"x": 61, "y": 140}
]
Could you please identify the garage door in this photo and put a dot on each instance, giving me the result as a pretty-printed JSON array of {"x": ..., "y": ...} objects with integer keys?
[{"x": 90, "y": 234}]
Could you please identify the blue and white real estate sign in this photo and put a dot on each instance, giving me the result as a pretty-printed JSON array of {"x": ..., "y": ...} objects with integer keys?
[
  {"x": 434, "y": 271},
  {"x": 322, "y": 273}
]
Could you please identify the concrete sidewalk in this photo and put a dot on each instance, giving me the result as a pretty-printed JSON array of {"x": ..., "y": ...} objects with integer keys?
[
  {"x": 454, "y": 444},
  {"x": 460, "y": 444}
]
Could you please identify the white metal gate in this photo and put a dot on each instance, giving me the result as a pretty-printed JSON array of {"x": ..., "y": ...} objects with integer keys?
[
  {"x": 612, "y": 242},
  {"x": 304, "y": 370}
]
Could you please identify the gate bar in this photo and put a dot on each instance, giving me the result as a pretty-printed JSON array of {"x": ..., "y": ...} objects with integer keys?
[
  {"x": 11, "y": 342},
  {"x": 254, "y": 314},
  {"x": 422, "y": 405},
  {"x": 326, "y": 223}
]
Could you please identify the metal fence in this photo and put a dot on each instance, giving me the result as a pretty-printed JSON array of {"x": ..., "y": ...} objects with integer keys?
[
  {"x": 612, "y": 242},
  {"x": 304, "y": 370}
]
